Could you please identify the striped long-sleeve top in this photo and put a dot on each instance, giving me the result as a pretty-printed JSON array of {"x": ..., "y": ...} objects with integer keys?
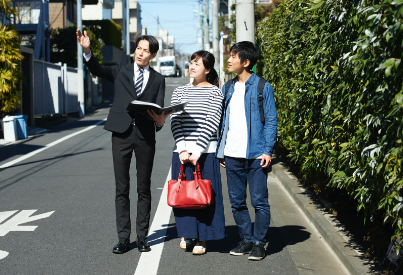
[{"x": 195, "y": 128}]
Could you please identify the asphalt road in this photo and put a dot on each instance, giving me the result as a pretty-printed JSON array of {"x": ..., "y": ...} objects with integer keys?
[{"x": 57, "y": 213}]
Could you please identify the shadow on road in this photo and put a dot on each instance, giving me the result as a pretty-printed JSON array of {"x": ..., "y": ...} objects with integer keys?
[
  {"x": 22, "y": 147},
  {"x": 18, "y": 149},
  {"x": 38, "y": 166},
  {"x": 76, "y": 124},
  {"x": 278, "y": 238},
  {"x": 54, "y": 158}
]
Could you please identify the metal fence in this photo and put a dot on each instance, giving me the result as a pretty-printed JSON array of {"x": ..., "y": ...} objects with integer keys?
[{"x": 55, "y": 88}]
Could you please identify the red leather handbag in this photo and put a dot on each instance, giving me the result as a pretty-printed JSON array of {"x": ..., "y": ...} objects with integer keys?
[{"x": 189, "y": 194}]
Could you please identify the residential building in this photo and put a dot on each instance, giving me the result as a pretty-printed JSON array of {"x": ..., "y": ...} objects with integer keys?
[{"x": 100, "y": 12}]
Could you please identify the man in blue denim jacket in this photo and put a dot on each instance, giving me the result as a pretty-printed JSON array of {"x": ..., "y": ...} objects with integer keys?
[{"x": 245, "y": 148}]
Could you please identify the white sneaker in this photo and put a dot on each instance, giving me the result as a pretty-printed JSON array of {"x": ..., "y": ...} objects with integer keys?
[
  {"x": 185, "y": 243},
  {"x": 199, "y": 249}
]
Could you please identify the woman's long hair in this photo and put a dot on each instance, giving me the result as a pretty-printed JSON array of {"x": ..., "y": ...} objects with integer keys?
[{"x": 208, "y": 62}]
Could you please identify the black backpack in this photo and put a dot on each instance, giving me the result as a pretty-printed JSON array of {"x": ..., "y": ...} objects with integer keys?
[{"x": 260, "y": 87}]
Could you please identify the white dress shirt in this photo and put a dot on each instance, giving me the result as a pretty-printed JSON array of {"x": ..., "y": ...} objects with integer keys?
[{"x": 146, "y": 75}]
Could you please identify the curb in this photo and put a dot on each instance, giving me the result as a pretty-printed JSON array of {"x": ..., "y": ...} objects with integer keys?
[
  {"x": 341, "y": 247},
  {"x": 30, "y": 132}
]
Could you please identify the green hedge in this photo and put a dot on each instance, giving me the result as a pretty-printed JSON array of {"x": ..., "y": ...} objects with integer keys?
[
  {"x": 107, "y": 30},
  {"x": 10, "y": 60},
  {"x": 335, "y": 67}
]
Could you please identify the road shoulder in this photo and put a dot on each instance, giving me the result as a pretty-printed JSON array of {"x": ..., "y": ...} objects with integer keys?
[{"x": 349, "y": 252}]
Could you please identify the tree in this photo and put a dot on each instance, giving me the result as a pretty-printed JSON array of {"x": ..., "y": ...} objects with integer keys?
[
  {"x": 64, "y": 43},
  {"x": 10, "y": 57}
]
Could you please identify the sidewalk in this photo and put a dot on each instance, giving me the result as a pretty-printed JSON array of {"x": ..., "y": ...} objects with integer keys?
[{"x": 340, "y": 241}]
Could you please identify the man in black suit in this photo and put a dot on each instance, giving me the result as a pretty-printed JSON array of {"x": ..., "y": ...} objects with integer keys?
[{"x": 132, "y": 132}]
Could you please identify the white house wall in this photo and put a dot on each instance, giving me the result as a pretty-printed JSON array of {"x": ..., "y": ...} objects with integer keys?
[{"x": 92, "y": 12}]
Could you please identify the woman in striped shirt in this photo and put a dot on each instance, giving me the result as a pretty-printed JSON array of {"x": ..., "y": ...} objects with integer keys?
[{"x": 195, "y": 133}]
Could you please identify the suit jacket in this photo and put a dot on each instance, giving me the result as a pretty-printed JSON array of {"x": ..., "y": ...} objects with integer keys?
[{"x": 119, "y": 119}]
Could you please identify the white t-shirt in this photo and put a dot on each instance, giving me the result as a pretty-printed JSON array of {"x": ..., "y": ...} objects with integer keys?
[{"x": 237, "y": 137}]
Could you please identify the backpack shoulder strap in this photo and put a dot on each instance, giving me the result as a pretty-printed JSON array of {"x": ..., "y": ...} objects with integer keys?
[
  {"x": 260, "y": 88},
  {"x": 227, "y": 85}
]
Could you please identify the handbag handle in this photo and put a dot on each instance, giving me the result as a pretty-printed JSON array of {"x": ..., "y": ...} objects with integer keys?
[{"x": 197, "y": 174}]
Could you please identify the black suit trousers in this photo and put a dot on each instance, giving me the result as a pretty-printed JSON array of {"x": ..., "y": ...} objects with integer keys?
[{"x": 123, "y": 146}]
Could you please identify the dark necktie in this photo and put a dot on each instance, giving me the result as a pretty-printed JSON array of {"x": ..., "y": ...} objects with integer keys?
[{"x": 139, "y": 82}]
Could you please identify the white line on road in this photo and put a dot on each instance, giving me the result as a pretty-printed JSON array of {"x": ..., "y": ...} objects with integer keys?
[
  {"x": 11, "y": 163},
  {"x": 149, "y": 261},
  {"x": 3, "y": 254}
]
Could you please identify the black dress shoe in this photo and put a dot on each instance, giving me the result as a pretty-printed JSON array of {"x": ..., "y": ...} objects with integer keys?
[
  {"x": 122, "y": 247},
  {"x": 142, "y": 244}
]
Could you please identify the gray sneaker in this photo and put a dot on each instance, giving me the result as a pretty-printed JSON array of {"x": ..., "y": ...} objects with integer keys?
[
  {"x": 258, "y": 252},
  {"x": 243, "y": 248}
]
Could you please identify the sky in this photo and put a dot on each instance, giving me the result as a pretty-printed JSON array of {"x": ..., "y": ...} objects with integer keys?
[{"x": 177, "y": 17}]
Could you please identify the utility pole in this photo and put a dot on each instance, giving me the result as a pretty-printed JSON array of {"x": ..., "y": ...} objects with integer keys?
[
  {"x": 201, "y": 27},
  {"x": 158, "y": 39},
  {"x": 206, "y": 26},
  {"x": 216, "y": 36},
  {"x": 229, "y": 13},
  {"x": 222, "y": 77},
  {"x": 126, "y": 29},
  {"x": 80, "y": 73},
  {"x": 245, "y": 20}
]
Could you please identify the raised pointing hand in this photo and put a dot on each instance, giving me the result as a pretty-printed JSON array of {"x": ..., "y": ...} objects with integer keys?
[{"x": 84, "y": 41}]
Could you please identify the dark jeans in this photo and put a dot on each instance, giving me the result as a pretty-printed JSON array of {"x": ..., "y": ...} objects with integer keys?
[
  {"x": 239, "y": 172},
  {"x": 123, "y": 146}
]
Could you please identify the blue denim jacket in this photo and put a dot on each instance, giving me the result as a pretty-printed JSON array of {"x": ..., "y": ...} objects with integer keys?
[{"x": 261, "y": 138}]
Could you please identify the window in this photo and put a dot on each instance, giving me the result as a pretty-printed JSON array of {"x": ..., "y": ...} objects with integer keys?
[{"x": 167, "y": 64}]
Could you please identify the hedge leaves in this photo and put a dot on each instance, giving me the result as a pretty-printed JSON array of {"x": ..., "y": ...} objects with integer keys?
[{"x": 335, "y": 67}]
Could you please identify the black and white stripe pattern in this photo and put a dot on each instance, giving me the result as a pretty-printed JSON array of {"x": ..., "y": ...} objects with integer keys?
[
  {"x": 195, "y": 128},
  {"x": 139, "y": 82}
]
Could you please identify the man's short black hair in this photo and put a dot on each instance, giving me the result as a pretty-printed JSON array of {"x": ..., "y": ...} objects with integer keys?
[
  {"x": 152, "y": 42},
  {"x": 246, "y": 51}
]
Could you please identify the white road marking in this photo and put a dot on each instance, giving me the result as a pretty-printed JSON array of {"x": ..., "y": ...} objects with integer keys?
[
  {"x": 6, "y": 214},
  {"x": 149, "y": 261},
  {"x": 11, "y": 163},
  {"x": 3, "y": 254},
  {"x": 24, "y": 216}
]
